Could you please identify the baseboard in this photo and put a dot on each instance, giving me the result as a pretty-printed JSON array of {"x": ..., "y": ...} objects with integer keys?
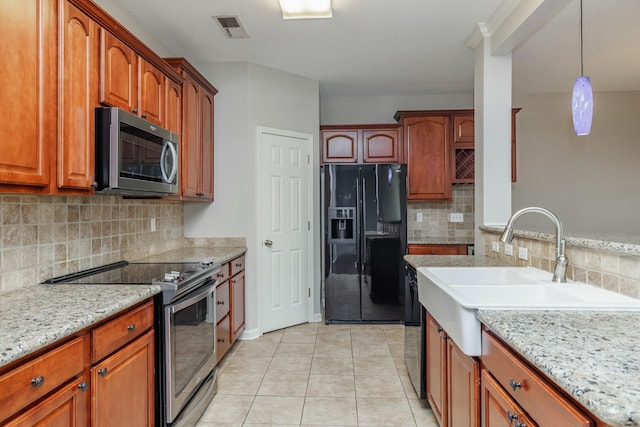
[
  {"x": 317, "y": 317},
  {"x": 250, "y": 334}
]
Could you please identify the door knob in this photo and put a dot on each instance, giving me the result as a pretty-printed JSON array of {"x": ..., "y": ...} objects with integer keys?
[{"x": 268, "y": 243}]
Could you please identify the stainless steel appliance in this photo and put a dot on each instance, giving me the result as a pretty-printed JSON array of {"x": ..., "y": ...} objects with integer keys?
[
  {"x": 414, "y": 334},
  {"x": 364, "y": 242},
  {"x": 185, "y": 331},
  {"x": 134, "y": 156}
]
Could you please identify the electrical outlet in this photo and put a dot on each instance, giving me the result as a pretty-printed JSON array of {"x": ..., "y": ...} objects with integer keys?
[
  {"x": 456, "y": 217},
  {"x": 419, "y": 217},
  {"x": 153, "y": 224},
  {"x": 495, "y": 247},
  {"x": 523, "y": 253},
  {"x": 508, "y": 250}
]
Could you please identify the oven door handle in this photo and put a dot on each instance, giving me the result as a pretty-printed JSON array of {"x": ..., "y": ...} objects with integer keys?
[{"x": 193, "y": 299}]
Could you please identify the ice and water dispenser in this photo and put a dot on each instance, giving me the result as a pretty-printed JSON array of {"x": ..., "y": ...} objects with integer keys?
[{"x": 342, "y": 225}]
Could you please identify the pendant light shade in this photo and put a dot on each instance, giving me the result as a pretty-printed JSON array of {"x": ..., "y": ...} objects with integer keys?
[
  {"x": 582, "y": 105},
  {"x": 582, "y": 98}
]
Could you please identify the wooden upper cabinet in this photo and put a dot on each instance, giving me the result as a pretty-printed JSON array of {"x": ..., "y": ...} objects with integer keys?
[
  {"x": 28, "y": 78},
  {"x": 378, "y": 143},
  {"x": 340, "y": 147},
  {"x": 427, "y": 147},
  {"x": 463, "y": 128},
  {"x": 151, "y": 93},
  {"x": 78, "y": 97},
  {"x": 173, "y": 107},
  {"x": 196, "y": 142},
  {"x": 118, "y": 73}
]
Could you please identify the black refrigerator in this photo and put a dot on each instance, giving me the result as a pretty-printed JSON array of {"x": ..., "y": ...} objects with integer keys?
[{"x": 364, "y": 215}]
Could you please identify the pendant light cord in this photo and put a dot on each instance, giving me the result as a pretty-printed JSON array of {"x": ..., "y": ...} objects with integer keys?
[{"x": 581, "y": 44}]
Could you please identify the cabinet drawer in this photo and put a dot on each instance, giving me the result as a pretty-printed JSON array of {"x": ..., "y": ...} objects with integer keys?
[
  {"x": 237, "y": 265},
  {"x": 419, "y": 249},
  {"x": 542, "y": 402},
  {"x": 498, "y": 408},
  {"x": 222, "y": 301},
  {"x": 223, "y": 274},
  {"x": 19, "y": 387},
  {"x": 109, "y": 337}
]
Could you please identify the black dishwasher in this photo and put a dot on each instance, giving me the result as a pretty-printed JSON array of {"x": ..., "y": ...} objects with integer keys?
[{"x": 414, "y": 333}]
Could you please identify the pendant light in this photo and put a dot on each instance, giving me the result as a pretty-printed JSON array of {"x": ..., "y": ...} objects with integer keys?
[{"x": 582, "y": 98}]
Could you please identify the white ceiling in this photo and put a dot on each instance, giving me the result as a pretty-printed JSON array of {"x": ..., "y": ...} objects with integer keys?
[{"x": 401, "y": 47}]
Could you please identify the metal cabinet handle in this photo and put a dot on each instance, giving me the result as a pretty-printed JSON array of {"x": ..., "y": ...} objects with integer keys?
[
  {"x": 102, "y": 372},
  {"x": 134, "y": 111},
  {"x": 131, "y": 327},
  {"x": 515, "y": 384},
  {"x": 220, "y": 339},
  {"x": 520, "y": 424},
  {"x": 268, "y": 243},
  {"x": 440, "y": 329},
  {"x": 94, "y": 185},
  {"x": 220, "y": 302},
  {"x": 144, "y": 115},
  {"x": 83, "y": 386},
  {"x": 37, "y": 382},
  {"x": 511, "y": 416},
  {"x": 238, "y": 264}
]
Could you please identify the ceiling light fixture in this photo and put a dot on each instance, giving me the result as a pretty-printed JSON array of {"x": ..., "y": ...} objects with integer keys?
[
  {"x": 582, "y": 98},
  {"x": 305, "y": 9}
]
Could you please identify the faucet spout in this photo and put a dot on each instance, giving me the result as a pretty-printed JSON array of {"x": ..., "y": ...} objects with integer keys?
[{"x": 559, "y": 274}]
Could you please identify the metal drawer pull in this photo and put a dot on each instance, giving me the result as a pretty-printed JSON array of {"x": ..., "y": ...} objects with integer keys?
[
  {"x": 83, "y": 386},
  {"x": 131, "y": 327},
  {"x": 37, "y": 382},
  {"x": 220, "y": 302},
  {"x": 440, "y": 330},
  {"x": 220, "y": 339},
  {"x": 520, "y": 424},
  {"x": 511, "y": 416},
  {"x": 102, "y": 372},
  {"x": 515, "y": 385},
  {"x": 238, "y": 265}
]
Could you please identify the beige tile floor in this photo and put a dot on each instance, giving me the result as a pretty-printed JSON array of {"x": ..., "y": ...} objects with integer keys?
[{"x": 318, "y": 375}]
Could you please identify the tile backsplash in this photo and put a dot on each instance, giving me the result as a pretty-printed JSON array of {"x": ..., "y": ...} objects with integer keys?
[
  {"x": 47, "y": 236},
  {"x": 435, "y": 226}
]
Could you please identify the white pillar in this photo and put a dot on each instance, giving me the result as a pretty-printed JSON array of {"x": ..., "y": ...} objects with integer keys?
[{"x": 492, "y": 105}]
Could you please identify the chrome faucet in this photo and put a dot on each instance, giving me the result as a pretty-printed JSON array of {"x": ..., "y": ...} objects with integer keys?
[{"x": 560, "y": 270}]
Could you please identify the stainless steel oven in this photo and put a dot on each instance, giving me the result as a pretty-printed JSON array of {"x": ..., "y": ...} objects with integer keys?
[{"x": 190, "y": 352}]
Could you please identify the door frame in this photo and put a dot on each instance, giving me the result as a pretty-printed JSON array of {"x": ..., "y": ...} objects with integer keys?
[{"x": 261, "y": 130}]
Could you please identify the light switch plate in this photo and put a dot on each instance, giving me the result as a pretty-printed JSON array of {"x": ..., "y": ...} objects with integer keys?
[
  {"x": 419, "y": 217},
  {"x": 523, "y": 253},
  {"x": 495, "y": 247},
  {"x": 153, "y": 224},
  {"x": 456, "y": 217},
  {"x": 508, "y": 250}
]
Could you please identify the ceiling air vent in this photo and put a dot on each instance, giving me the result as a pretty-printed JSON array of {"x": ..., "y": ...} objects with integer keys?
[{"x": 231, "y": 27}]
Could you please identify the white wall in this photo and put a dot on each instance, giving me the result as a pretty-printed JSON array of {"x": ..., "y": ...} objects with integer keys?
[
  {"x": 250, "y": 96},
  {"x": 380, "y": 109},
  {"x": 590, "y": 182}
]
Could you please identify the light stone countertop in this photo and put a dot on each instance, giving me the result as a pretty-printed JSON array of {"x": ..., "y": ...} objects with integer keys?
[
  {"x": 35, "y": 316},
  {"x": 592, "y": 355}
]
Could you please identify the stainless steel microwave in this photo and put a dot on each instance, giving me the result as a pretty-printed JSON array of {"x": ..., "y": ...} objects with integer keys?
[{"x": 134, "y": 157}]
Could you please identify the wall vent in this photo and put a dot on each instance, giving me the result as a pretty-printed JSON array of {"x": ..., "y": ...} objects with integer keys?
[{"x": 231, "y": 26}]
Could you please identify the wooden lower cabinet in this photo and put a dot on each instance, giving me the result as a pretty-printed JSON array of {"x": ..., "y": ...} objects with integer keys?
[
  {"x": 230, "y": 298},
  {"x": 420, "y": 249},
  {"x": 123, "y": 384},
  {"x": 66, "y": 407},
  {"x": 223, "y": 336},
  {"x": 237, "y": 302},
  {"x": 453, "y": 380},
  {"x": 498, "y": 409}
]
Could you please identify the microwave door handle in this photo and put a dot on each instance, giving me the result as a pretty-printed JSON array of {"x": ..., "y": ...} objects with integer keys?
[{"x": 166, "y": 149}]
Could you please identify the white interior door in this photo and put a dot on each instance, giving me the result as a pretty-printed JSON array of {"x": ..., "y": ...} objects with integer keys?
[{"x": 285, "y": 197}]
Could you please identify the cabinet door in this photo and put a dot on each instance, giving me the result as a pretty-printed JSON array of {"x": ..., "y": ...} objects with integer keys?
[
  {"x": 173, "y": 108},
  {"x": 381, "y": 146},
  {"x": 118, "y": 73},
  {"x": 498, "y": 409},
  {"x": 66, "y": 407},
  {"x": 436, "y": 370},
  {"x": 223, "y": 337},
  {"x": 122, "y": 386},
  {"x": 340, "y": 147},
  {"x": 28, "y": 86},
  {"x": 223, "y": 300},
  {"x": 463, "y": 128},
  {"x": 237, "y": 305},
  {"x": 190, "y": 143},
  {"x": 205, "y": 187},
  {"x": 151, "y": 93},
  {"x": 76, "y": 149},
  {"x": 428, "y": 166},
  {"x": 463, "y": 388}
]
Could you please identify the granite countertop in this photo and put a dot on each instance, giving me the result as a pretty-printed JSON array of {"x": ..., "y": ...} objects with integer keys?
[
  {"x": 593, "y": 356},
  {"x": 35, "y": 316},
  {"x": 195, "y": 254}
]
